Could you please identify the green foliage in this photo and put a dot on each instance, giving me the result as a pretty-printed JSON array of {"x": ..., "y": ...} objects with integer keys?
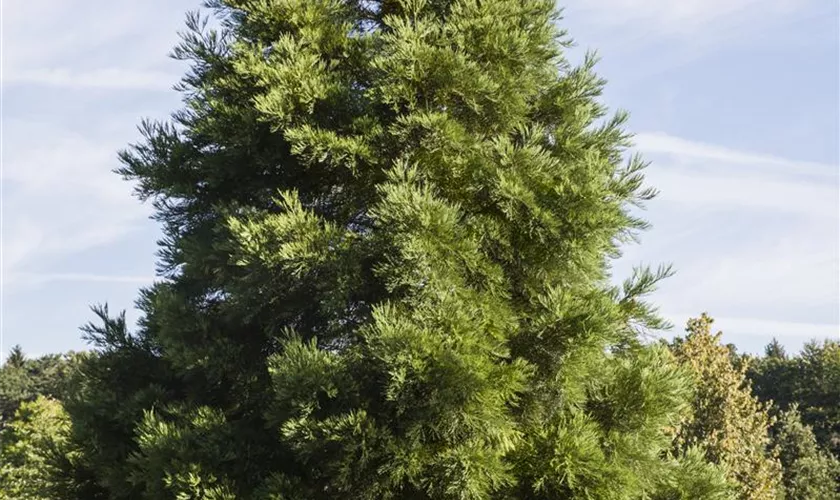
[
  {"x": 385, "y": 272},
  {"x": 727, "y": 422},
  {"x": 23, "y": 379},
  {"x": 16, "y": 357},
  {"x": 26, "y": 449},
  {"x": 695, "y": 477},
  {"x": 172, "y": 451},
  {"x": 613, "y": 446},
  {"x": 810, "y": 380},
  {"x": 809, "y": 473},
  {"x": 36, "y": 454},
  {"x": 117, "y": 387}
]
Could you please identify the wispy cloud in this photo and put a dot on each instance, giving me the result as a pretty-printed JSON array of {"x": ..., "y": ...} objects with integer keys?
[
  {"x": 35, "y": 279},
  {"x": 58, "y": 29},
  {"x": 96, "y": 44},
  {"x": 77, "y": 78},
  {"x": 751, "y": 235},
  {"x": 776, "y": 271},
  {"x": 716, "y": 178},
  {"x": 660, "y": 142},
  {"x": 716, "y": 192},
  {"x": 685, "y": 18},
  {"x": 103, "y": 78},
  {"x": 60, "y": 195},
  {"x": 626, "y": 32}
]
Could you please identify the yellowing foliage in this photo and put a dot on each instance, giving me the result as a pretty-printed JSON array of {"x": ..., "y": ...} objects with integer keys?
[{"x": 727, "y": 421}]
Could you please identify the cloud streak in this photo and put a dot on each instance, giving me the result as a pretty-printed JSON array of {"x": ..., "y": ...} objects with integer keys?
[
  {"x": 124, "y": 47},
  {"x": 719, "y": 192},
  {"x": 42, "y": 278},
  {"x": 685, "y": 18},
  {"x": 61, "y": 196},
  {"x": 682, "y": 32},
  {"x": 104, "y": 78},
  {"x": 660, "y": 142},
  {"x": 755, "y": 236},
  {"x": 715, "y": 178}
]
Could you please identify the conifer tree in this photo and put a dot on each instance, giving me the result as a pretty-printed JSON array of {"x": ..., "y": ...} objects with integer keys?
[
  {"x": 37, "y": 458},
  {"x": 809, "y": 472},
  {"x": 809, "y": 380},
  {"x": 385, "y": 271},
  {"x": 727, "y": 421},
  {"x": 24, "y": 379},
  {"x": 16, "y": 357},
  {"x": 775, "y": 350}
]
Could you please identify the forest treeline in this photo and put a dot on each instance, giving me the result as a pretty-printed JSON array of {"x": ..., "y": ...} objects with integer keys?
[
  {"x": 770, "y": 423},
  {"x": 386, "y": 273}
]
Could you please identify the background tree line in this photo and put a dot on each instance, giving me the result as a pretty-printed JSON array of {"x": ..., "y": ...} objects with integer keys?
[{"x": 771, "y": 421}]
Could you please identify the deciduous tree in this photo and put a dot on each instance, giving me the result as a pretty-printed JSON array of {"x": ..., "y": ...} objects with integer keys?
[{"x": 726, "y": 420}]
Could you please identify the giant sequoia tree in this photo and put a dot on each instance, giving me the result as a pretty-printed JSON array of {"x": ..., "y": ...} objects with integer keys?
[{"x": 385, "y": 272}]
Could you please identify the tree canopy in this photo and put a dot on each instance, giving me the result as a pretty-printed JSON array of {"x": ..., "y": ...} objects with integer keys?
[
  {"x": 810, "y": 473},
  {"x": 810, "y": 381},
  {"x": 727, "y": 421},
  {"x": 23, "y": 379}
]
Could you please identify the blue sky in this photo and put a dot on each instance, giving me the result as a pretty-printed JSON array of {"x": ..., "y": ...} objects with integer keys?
[{"x": 735, "y": 103}]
